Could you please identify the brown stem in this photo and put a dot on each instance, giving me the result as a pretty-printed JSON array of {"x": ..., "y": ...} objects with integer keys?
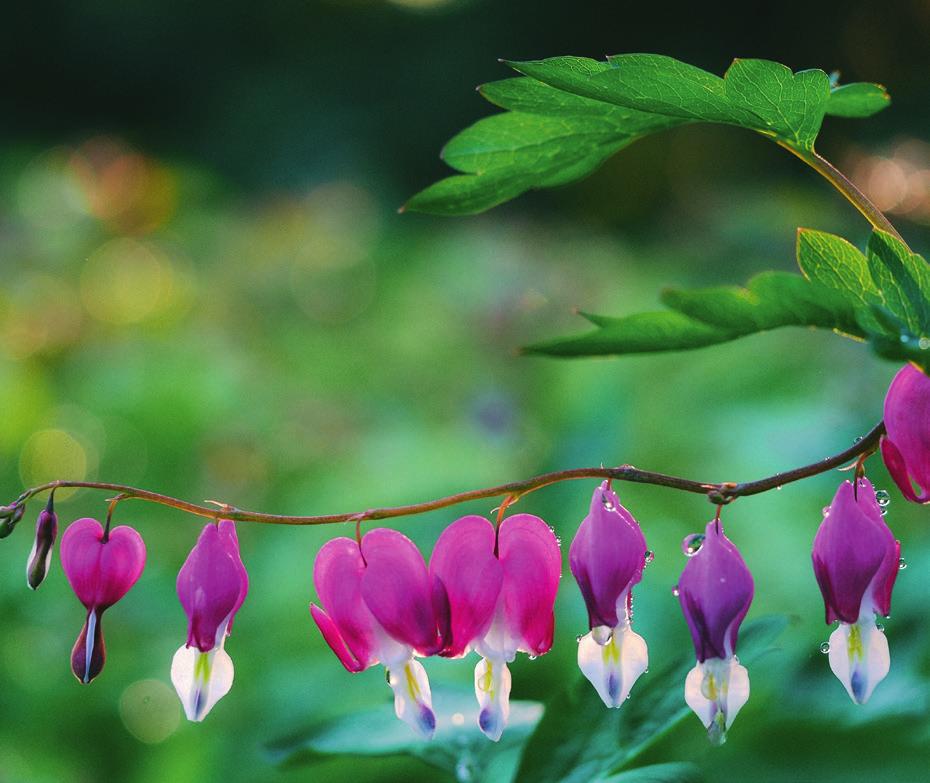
[
  {"x": 846, "y": 187},
  {"x": 717, "y": 493}
]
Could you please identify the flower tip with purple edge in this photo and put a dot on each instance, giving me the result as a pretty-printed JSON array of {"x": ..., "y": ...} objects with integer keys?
[{"x": 40, "y": 558}]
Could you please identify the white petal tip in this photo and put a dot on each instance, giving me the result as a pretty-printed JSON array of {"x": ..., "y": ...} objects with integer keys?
[
  {"x": 859, "y": 658},
  {"x": 614, "y": 666},
  {"x": 412, "y": 698},
  {"x": 201, "y": 679}
]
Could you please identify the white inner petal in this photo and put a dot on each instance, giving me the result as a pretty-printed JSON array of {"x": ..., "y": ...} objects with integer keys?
[
  {"x": 201, "y": 679},
  {"x": 859, "y": 657},
  {"x": 717, "y": 690},
  {"x": 412, "y": 699},
  {"x": 613, "y": 666},
  {"x": 492, "y": 689}
]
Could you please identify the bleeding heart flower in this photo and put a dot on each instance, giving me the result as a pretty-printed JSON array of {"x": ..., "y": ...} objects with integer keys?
[
  {"x": 856, "y": 560},
  {"x": 41, "y": 555},
  {"x": 377, "y": 607},
  {"x": 212, "y": 585},
  {"x": 607, "y": 558},
  {"x": 494, "y": 591},
  {"x": 101, "y": 568},
  {"x": 906, "y": 444},
  {"x": 715, "y": 591}
]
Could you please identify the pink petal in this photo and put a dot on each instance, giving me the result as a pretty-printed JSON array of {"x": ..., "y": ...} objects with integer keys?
[
  {"x": 334, "y": 639},
  {"x": 396, "y": 588},
  {"x": 466, "y": 581},
  {"x": 897, "y": 468},
  {"x": 101, "y": 572},
  {"x": 346, "y": 621},
  {"x": 228, "y": 531},
  {"x": 210, "y": 586},
  {"x": 532, "y": 562},
  {"x": 907, "y": 422}
]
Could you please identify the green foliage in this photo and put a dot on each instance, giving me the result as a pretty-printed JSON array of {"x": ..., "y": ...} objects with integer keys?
[
  {"x": 613, "y": 739},
  {"x": 458, "y": 747},
  {"x": 568, "y": 114},
  {"x": 882, "y": 296}
]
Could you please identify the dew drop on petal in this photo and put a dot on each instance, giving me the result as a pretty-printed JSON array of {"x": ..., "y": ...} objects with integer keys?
[
  {"x": 902, "y": 564},
  {"x": 880, "y": 627},
  {"x": 675, "y": 591},
  {"x": 825, "y": 647},
  {"x": 532, "y": 657},
  {"x": 579, "y": 637},
  {"x": 857, "y": 439},
  {"x": 692, "y": 544},
  {"x": 649, "y": 556},
  {"x": 882, "y": 497},
  {"x": 826, "y": 511}
]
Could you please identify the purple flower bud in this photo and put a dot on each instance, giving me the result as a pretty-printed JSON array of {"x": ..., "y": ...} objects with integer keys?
[
  {"x": 855, "y": 559},
  {"x": 41, "y": 555},
  {"x": 715, "y": 591},
  {"x": 607, "y": 558},
  {"x": 101, "y": 570},
  {"x": 906, "y": 446},
  {"x": 212, "y": 585}
]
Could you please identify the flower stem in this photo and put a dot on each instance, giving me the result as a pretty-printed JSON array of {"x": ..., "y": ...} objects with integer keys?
[
  {"x": 717, "y": 493},
  {"x": 846, "y": 187}
]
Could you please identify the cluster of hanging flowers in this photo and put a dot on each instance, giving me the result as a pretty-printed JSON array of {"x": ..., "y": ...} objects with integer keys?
[{"x": 491, "y": 589}]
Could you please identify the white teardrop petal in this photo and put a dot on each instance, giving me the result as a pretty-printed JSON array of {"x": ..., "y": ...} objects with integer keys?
[
  {"x": 716, "y": 690},
  {"x": 413, "y": 702},
  {"x": 859, "y": 657},
  {"x": 492, "y": 689},
  {"x": 614, "y": 666},
  {"x": 201, "y": 679}
]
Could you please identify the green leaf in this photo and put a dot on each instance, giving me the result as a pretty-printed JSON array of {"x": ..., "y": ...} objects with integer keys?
[
  {"x": 770, "y": 300},
  {"x": 860, "y": 99},
  {"x": 457, "y": 744},
  {"x": 903, "y": 278},
  {"x": 638, "y": 333},
  {"x": 659, "y": 773},
  {"x": 580, "y": 740},
  {"x": 568, "y": 114}
]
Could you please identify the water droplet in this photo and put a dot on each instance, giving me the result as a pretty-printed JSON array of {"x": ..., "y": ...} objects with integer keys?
[
  {"x": 825, "y": 647},
  {"x": 902, "y": 564},
  {"x": 579, "y": 637},
  {"x": 882, "y": 497},
  {"x": 608, "y": 503},
  {"x": 778, "y": 487},
  {"x": 857, "y": 439},
  {"x": 826, "y": 510},
  {"x": 923, "y": 343},
  {"x": 675, "y": 591},
  {"x": 880, "y": 627},
  {"x": 649, "y": 556},
  {"x": 532, "y": 657},
  {"x": 692, "y": 544}
]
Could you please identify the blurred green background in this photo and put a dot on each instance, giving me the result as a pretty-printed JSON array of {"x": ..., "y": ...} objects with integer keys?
[{"x": 206, "y": 291}]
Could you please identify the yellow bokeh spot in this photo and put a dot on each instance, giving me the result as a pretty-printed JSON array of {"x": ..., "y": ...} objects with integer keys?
[
  {"x": 150, "y": 711},
  {"x": 53, "y": 454},
  {"x": 125, "y": 282}
]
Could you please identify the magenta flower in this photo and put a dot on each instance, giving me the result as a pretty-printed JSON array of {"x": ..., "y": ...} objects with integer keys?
[
  {"x": 856, "y": 563},
  {"x": 41, "y": 555},
  {"x": 715, "y": 591},
  {"x": 494, "y": 591},
  {"x": 607, "y": 558},
  {"x": 101, "y": 568},
  {"x": 906, "y": 446},
  {"x": 377, "y": 607},
  {"x": 212, "y": 585}
]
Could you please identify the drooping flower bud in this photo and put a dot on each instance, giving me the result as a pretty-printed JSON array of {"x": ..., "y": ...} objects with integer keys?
[
  {"x": 494, "y": 591},
  {"x": 715, "y": 591},
  {"x": 212, "y": 585},
  {"x": 9, "y": 518},
  {"x": 855, "y": 558},
  {"x": 906, "y": 444},
  {"x": 41, "y": 555},
  {"x": 377, "y": 607},
  {"x": 607, "y": 558},
  {"x": 101, "y": 569}
]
